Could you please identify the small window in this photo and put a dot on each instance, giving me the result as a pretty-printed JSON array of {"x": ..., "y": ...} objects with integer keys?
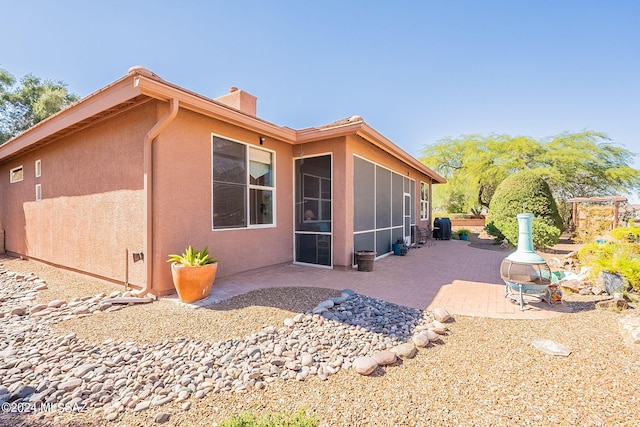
[
  {"x": 38, "y": 192},
  {"x": 16, "y": 174},
  {"x": 424, "y": 201},
  {"x": 38, "y": 168}
]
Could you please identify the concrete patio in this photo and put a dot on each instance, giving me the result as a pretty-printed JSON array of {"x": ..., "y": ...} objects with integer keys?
[{"x": 452, "y": 274}]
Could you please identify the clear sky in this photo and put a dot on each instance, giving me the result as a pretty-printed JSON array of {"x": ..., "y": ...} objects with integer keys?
[{"x": 417, "y": 71}]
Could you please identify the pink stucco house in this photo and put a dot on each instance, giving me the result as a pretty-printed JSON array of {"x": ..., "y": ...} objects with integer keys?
[{"x": 143, "y": 167}]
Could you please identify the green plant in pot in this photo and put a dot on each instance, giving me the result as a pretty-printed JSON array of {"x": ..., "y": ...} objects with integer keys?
[
  {"x": 400, "y": 247},
  {"x": 193, "y": 273},
  {"x": 463, "y": 234}
]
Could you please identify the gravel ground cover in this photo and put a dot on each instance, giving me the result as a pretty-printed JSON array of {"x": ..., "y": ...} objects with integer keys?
[{"x": 484, "y": 372}]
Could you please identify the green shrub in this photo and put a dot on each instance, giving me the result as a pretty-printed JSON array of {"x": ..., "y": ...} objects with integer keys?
[
  {"x": 270, "y": 419},
  {"x": 494, "y": 231},
  {"x": 630, "y": 234},
  {"x": 620, "y": 257},
  {"x": 521, "y": 192},
  {"x": 544, "y": 234}
]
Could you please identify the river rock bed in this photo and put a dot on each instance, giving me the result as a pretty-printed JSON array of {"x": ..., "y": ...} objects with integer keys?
[{"x": 39, "y": 367}]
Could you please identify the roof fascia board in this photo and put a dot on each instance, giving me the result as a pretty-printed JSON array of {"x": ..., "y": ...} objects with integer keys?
[
  {"x": 209, "y": 107},
  {"x": 315, "y": 134},
  {"x": 368, "y": 133},
  {"x": 93, "y": 104}
]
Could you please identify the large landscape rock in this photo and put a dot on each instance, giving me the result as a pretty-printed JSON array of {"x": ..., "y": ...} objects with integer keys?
[
  {"x": 407, "y": 350},
  {"x": 385, "y": 357},
  {"x": 431, "y": 335},
  {"x": 420, "y": 340},
  {"x": 365, "y": 365},
  {"x": 441, "y": 314},
  {"x": 612, "y": 282}
]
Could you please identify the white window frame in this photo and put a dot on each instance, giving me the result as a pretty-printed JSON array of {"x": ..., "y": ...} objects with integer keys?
[
  {"x": 424, "y": 203},
  {"x": 14, "y": 171},
  {"x": 38, "y": 168},
  {"x": 38, "y": 192},
  {"x": 248, "y": 185},
  {"x": 320, "y": 214}
]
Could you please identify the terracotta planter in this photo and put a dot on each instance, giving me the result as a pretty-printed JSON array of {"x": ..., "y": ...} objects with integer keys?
[{"x": 193, "y": 283}]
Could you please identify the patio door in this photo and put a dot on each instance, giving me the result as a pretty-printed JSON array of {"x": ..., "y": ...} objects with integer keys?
[
  {"x": 313, "y": 211},
  {"x": 407, "y": 218}
]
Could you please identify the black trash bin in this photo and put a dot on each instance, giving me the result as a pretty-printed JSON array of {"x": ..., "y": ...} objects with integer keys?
[
  {"x": 445, "y": 229},
  {"x": 442, "y": 228}
]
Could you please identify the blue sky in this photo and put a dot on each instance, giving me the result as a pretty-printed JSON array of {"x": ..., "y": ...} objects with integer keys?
[{"x": 417, "y": 71}]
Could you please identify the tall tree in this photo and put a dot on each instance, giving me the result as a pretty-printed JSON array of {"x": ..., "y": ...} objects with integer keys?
[
  {"x": 573, "y": 164},
  {"x": 29, "y": 102}
]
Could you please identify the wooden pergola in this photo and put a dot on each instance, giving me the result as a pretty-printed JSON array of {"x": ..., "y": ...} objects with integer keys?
[{"x": 607, "y": 199}]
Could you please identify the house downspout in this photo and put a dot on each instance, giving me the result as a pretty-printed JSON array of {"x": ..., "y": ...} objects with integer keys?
[{"x": 148, "y": 191}]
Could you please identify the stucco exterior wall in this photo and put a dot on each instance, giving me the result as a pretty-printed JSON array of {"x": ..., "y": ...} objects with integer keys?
[
  {"x": 182, "y": 201},
  {"x": 91, "y": 210}
]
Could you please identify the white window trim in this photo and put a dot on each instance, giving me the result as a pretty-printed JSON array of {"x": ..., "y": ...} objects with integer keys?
[
  {"x": 248, "y": 185},
  {"x": 426, "y": 202},
  {"x": 38, "y": 168},
  {"x": 319, "y": 198},
  {"x": 38, "y": 192},
  {"x": 13, "y": 171}
]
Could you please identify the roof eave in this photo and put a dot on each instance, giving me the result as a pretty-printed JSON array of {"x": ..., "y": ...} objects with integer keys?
[
  {"x": 189, "y": 100},
  {"x": 363, "y": 130},
  {"x": 376, "y": 138},
  {"x": 109, "y": 97},
  {"x": 315, "y": 134},
  {"x": 138, "y": 83}
]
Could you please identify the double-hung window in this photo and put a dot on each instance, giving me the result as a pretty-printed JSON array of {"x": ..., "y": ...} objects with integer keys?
[
  {"x": 424, "y": 201},
  {"x": 243, "y": 185}
]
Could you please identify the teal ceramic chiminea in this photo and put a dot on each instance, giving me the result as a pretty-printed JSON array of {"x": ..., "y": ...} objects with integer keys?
[
  {"x": 524, "y": 271},
  {"x": 525, "y": 253}
]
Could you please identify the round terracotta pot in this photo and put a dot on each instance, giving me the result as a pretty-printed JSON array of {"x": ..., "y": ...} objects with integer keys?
[{"x": 193, "y": 283}]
